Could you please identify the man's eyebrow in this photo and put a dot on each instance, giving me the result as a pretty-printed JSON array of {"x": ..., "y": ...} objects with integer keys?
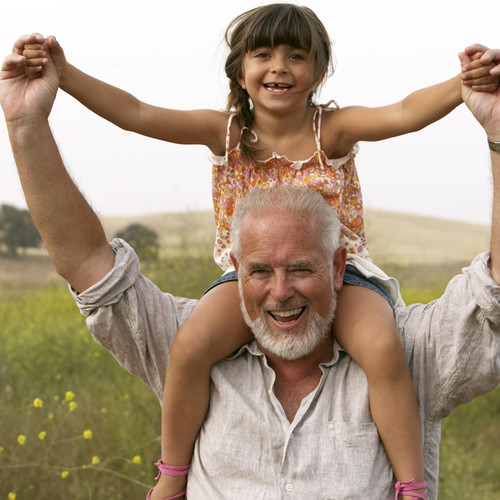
[{"x": 256, "y": 266}]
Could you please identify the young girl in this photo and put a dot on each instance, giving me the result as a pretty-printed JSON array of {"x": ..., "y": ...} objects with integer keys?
[{"x": 274, "y": 133}]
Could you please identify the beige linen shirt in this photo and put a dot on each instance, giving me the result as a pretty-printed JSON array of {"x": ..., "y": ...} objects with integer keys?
[{"x": 247, "y": 449}]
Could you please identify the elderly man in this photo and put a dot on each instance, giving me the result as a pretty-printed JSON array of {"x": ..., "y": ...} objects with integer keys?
[{"x": 289, "y": 414}]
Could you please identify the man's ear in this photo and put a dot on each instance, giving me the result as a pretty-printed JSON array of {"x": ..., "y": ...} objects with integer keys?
[
  {"x": 339, "y": 261},
  {"x": 234, "y": 261}
]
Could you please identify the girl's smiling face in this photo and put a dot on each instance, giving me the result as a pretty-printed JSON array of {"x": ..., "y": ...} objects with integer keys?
[{"x": 278, "y": 78}]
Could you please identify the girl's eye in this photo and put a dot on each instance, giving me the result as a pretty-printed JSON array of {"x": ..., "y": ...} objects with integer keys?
[{"x": 262, "y": 54}]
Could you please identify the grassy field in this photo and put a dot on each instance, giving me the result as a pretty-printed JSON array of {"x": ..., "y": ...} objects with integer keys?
[{"x": 75, "y": 425}]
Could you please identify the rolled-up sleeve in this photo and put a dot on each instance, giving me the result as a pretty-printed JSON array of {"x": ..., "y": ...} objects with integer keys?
[
  {"x": 132, "y": 318},
  {"x": 453, "y": 343}
]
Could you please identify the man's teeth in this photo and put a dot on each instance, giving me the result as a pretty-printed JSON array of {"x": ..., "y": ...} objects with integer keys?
[{"x": 287, "y": 314}]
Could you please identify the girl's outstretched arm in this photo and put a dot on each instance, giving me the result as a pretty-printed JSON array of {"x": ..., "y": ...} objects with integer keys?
[
  {"x": 416, "y": 111},
  {"x": 205, "y": 127}
]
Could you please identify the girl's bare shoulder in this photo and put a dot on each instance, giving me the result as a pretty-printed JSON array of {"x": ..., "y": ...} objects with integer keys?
[{"x": 336, "y": 138}]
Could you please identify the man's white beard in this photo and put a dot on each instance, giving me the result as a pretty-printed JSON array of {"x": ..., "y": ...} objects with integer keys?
[{"x": 291, "y": 345}]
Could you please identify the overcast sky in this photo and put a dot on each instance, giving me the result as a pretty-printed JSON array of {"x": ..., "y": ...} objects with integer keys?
[{"x": 170, "y": 54}]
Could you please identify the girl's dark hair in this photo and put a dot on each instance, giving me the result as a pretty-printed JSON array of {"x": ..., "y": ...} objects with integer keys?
[{"x": 269, "y": 26}]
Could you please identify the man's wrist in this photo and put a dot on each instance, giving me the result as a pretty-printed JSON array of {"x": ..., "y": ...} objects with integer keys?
[
  {"x": 27, "y": 122},
  {"x": 494, "y": 145},
  {"x": 24, "y": 133}
]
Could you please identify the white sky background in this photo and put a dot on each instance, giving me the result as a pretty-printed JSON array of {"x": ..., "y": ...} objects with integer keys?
[{"x": 169, "y": 53}]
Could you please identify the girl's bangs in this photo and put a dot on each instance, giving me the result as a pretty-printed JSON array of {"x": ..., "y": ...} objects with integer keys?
[{"x": 284, "y": 29}]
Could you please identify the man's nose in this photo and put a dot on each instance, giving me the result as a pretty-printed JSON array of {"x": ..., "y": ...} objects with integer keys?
[{"x": 281, "y": 287}]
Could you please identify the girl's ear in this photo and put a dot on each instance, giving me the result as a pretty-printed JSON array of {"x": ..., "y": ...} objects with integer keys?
[{"x": 318, "y": 83}]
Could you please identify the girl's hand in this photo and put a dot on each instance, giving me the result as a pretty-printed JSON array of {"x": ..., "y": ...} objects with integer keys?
[
  {"x": 480, "y": 70},
  {"x": 37, "y": 54}
]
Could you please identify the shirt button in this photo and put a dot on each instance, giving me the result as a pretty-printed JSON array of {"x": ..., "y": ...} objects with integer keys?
[{"x": 288, "y": 487}]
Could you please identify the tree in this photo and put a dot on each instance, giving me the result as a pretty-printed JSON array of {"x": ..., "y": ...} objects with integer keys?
[
  {"x": 142, "y": 239},
  {"x": 17, "y": 229}
]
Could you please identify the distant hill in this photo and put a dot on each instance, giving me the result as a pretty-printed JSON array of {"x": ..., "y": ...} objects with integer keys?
[{"x": 396, "y": 240}]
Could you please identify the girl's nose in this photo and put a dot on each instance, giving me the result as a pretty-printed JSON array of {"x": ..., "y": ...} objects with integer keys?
[{"x": 279, "y": 65}]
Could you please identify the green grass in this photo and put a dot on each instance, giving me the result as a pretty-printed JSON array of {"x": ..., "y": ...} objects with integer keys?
[{"x": 46, "y": 351}]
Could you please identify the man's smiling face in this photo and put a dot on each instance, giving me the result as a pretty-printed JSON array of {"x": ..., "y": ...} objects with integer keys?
[{"x": 287, "y": 284}]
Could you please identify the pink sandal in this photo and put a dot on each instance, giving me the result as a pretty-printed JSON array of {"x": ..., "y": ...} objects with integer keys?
[
  {"x": 407, "y": 488},
  {"x": 173, "y": 471}
]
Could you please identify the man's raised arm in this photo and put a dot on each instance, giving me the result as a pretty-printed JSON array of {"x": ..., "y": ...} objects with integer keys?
[
  {"x": 485, "y": 106},
  {"x": 70, "y": 229}
]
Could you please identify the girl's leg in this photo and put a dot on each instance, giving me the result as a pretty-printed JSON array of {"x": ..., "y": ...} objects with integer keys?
[
  {"x": 364, "y": 325},
  {"x": 214, "y": 330}
]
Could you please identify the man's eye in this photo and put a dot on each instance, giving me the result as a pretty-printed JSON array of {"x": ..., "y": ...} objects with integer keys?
[{"x": 261, "y": 272}]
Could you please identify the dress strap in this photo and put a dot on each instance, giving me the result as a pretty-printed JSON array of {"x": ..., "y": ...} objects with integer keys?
[
  {"x": 318, "y": 115},
  {"x": 228, "y": 136}
]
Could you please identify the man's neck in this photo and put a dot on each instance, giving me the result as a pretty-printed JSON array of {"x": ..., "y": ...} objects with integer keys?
[{"x": 298, "y": 378}]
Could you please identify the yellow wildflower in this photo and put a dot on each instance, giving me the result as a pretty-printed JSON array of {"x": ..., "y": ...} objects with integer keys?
[
  {"x": 72, "y": 406},
  {"x": 21, "y": 439},
  {"x": 137, "y": 460},
  {"x": 50, "y": 416},
  {"x": 42, "y": 435},
  {"x": 69, "y": 396},
  {"x": 95, "y": 460},
  {"x": 87, "y": 434},
  {"x": 38, "y": 403},
  {"x": 11, "y": 496},
  {"x": 64, "y": 474}
]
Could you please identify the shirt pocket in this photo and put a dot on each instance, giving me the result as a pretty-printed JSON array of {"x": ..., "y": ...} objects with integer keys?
[
  {"x": 353, "y": 462},
  {"x": 240, "y": 449}
]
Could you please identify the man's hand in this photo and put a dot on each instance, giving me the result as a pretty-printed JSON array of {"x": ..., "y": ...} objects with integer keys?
[
  {"x": 23, "y": 98},
  {"x": 485, "y": 106}
]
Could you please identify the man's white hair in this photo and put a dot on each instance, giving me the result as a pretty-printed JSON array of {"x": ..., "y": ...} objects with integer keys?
[{"x": 298, "y": 202}]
